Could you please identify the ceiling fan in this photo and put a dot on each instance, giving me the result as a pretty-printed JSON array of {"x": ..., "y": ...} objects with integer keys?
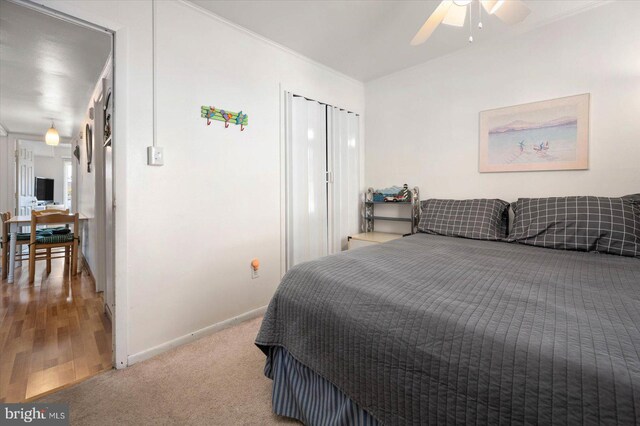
[{"x": 454, "y": 12}]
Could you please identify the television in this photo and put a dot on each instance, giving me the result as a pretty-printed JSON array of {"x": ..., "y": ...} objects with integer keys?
[{"x": 44, "y": 189}]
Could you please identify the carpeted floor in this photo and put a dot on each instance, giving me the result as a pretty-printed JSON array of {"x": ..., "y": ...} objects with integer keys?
[{"x": 217, "y": 380}]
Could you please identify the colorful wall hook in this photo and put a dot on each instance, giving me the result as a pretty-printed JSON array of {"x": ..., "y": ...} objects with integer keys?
[{"x": 211, "y": 113}]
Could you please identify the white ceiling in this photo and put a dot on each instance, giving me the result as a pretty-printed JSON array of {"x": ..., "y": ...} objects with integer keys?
[
  {"x": 48, "y": 70},
  {"x": 369, "y": 39}
]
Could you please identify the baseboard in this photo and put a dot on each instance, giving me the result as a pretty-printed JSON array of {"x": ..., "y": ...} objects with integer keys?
[
  {"x": 107, "y": 310},
  {"x": 84, "y": 266},
  {"x": 188, "y": 338}
]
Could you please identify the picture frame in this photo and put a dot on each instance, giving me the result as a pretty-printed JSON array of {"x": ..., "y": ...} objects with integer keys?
[
  {"x": 88, "y": 136},
  {"x": 106, "y": 120},
  {"x": 537, "y": 136}
]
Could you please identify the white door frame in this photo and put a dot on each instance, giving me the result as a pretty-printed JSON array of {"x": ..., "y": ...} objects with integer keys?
[
  {"x": 283, "y": 181},
  {"x": 119, "y": 325}
]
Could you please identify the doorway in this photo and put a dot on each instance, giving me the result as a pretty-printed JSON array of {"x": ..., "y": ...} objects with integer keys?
[
  {"x": 67, "y": 191},
  {"x": 70, "y": 90},
  {"x": 44, "y": 175}
]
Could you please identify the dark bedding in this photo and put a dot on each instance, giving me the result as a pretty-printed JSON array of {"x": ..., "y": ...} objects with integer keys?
[{"x": 433, "y": 330}]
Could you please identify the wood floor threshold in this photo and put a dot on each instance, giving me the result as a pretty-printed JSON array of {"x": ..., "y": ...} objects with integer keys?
[{"x": 66, "y": 385}]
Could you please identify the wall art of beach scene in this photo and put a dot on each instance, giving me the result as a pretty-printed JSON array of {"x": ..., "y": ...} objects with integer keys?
[{"x": 539, "y": 136}]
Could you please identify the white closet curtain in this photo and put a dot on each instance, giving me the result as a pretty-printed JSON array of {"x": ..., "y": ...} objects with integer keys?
[
  {"x": 322, "y": 178},
  {"x": 307, "y": 221}
]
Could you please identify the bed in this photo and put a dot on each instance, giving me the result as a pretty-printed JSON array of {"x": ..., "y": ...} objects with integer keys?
[{"x": 433, "y": 329}]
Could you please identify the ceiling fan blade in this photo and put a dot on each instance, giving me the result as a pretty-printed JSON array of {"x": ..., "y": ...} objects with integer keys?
[
  {"x": 456, "y": 16},
  {"x": 432, "y": 23},
  {"x": 491, "y": 6},
  {"x": 512, "y": 12}
]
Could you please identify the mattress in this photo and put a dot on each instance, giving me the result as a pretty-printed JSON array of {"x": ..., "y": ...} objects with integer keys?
[{"x": 440, "y": 330}]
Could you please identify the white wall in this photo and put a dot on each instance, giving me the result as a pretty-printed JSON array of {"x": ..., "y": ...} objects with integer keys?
[
  {"x": 88, "y": 185},
  {"x": 186, "y": 232},
  {"x": 6, "y": 178},
  {"x": 85, "y": 197},
  {"x": 433, "y": 142}
]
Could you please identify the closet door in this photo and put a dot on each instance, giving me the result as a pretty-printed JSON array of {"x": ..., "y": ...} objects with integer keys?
[
  {"x": 344, "y": 196},
  {"x": 307, "y": 221}
]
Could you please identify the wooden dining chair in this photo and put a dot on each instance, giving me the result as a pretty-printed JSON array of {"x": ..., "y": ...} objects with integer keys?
[
  {"x": 5, "y": 243},
  {"x": 55, "y": 207},
  {"x": 41, "y": 243},
  {"x": 50, "y": 211}
]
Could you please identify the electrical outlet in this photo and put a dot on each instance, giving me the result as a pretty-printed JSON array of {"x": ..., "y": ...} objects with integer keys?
[{"x": 155, "y": 156}]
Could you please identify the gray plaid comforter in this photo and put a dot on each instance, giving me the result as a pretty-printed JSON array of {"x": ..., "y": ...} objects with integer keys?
[{"x": 440, "y": 330}]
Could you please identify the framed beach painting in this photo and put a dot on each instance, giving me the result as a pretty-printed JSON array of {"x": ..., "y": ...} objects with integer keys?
[{"x": 547, "y": 135}]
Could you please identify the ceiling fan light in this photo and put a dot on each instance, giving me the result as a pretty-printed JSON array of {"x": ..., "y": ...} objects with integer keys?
[
  {"x": 461, "y": 2},
  {"x": 52, "y": 137}
]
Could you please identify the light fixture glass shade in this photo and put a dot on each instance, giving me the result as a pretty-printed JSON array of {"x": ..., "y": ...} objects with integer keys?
[{"x": 52, "y": 137}]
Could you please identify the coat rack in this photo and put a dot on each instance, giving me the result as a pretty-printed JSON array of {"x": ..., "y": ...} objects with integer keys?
[{"x": 212, "y": 113}]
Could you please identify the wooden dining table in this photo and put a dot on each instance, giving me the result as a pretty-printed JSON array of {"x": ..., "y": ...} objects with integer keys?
[{"x": 15, "y": 223}]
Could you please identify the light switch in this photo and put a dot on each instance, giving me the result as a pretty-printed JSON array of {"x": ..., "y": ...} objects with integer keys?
[{"x": 155, "y": 156}]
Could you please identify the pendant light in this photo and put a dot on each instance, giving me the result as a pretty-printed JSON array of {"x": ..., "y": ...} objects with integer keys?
[{"x": 52, "y": 137}]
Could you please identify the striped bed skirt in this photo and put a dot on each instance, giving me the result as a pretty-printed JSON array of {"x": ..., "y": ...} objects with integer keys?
[{"x": 302, "y": 394}]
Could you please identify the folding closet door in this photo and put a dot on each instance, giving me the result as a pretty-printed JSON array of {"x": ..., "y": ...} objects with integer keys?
[
  {"x": 307, "y": 216},
  {"x": 344, "y": 166}
]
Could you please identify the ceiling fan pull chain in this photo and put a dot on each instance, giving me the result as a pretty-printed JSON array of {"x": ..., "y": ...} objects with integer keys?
[
  {"x": 479, "y": 14},
  {"x": 470, "y": 26}
]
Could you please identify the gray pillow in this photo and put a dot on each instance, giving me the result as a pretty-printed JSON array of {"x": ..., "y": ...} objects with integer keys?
[
  {"x": 601, "y": 224},
  {"x": 480, "y": 219}
]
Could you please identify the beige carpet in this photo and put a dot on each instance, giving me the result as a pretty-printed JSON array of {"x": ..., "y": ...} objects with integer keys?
[{"x": 217, "y": 380}]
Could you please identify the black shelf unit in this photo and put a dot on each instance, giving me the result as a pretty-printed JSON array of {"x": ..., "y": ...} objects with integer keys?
[{"x": 399, "y": 203}]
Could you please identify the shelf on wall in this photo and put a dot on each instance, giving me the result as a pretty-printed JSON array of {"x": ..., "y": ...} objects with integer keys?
[{"x": 395, "y": 219}]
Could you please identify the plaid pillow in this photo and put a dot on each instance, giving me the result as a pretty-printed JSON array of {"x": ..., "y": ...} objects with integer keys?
[
  {"x": 606, "y": 225},
  {"x": 486, "y": 219}
]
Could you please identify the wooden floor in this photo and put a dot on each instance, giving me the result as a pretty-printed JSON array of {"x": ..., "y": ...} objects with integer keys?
[{"x": 52, "y": 333}]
